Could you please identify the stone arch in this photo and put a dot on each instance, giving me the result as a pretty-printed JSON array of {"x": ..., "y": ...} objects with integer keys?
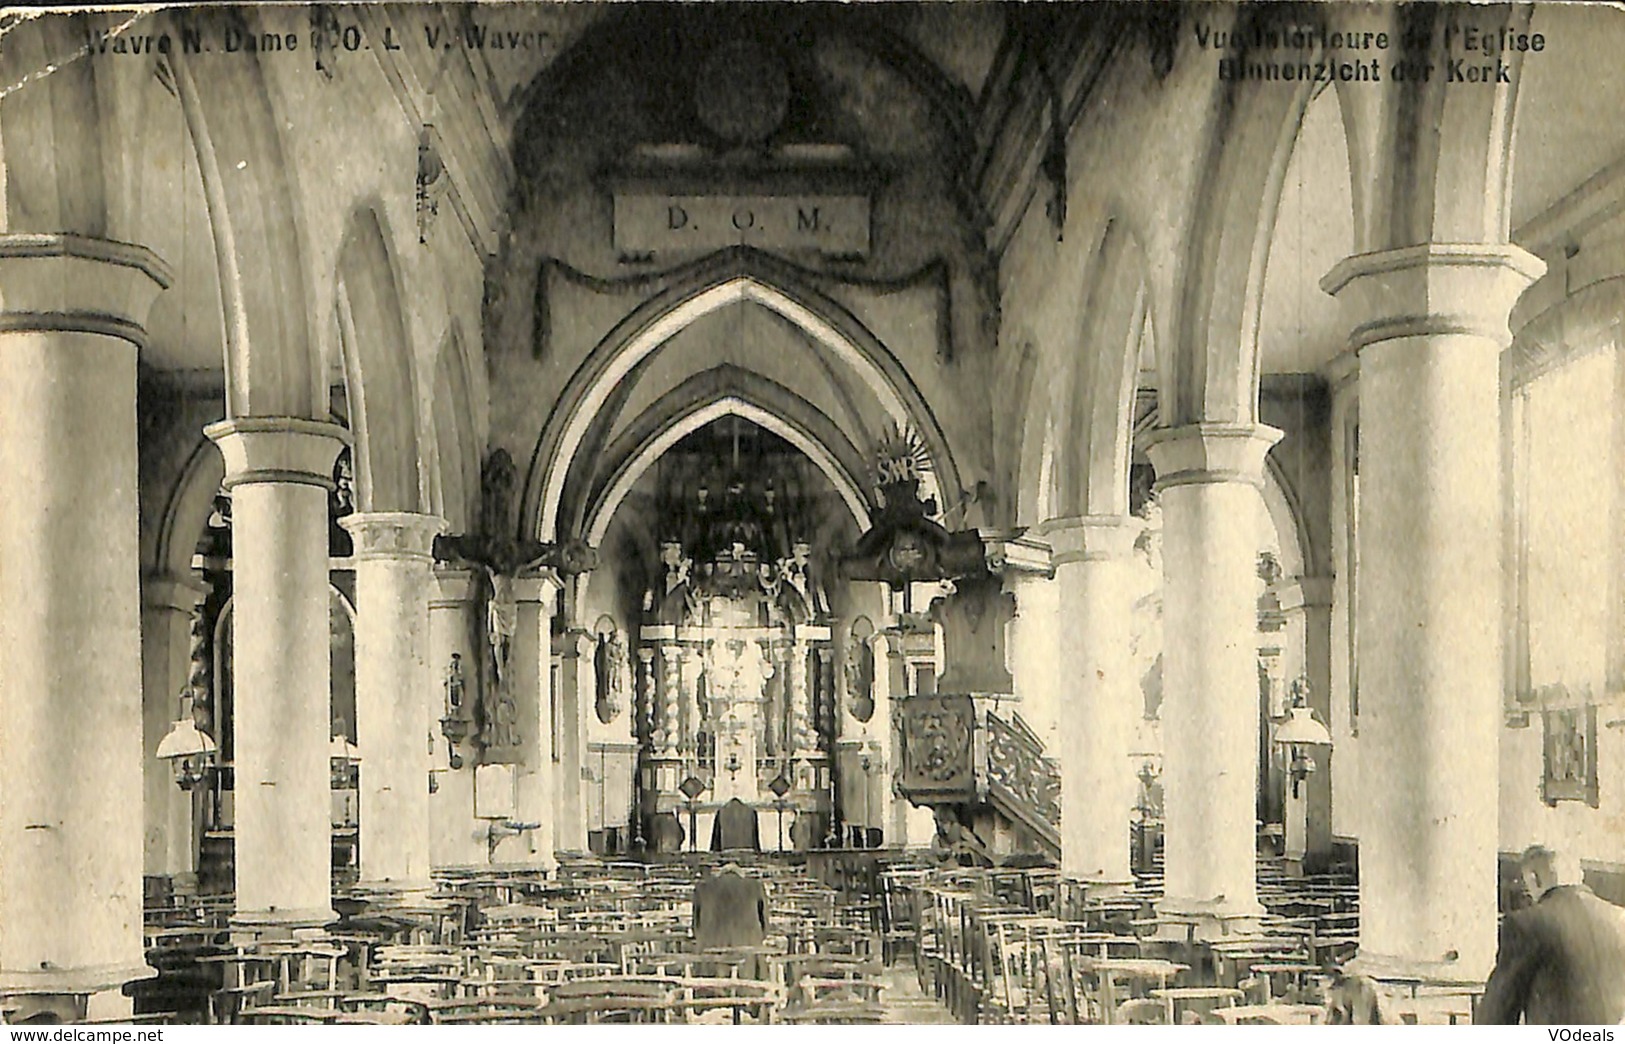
[
  {"x": 186, "y": 511},
  {"x": 456, "y": 449},
  {"x": 728, "y": 277},
  {"x": 1082, "y": 412},
  {"x": 725, "y": 391},
  {"x": 1285, "y": 513},
  {"x": 272, "y": 352},
  {"x": 1115, "y": 321},
  {"x": 377, "y": 371},
  {"x": 1035, "y": 463},
  {"x": 1432, "y": 163},
  {"x": 1209, "y": 365},
  {"x": 55, "y": 175}
]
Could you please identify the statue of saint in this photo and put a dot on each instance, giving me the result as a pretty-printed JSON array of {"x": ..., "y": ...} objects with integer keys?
[
  {"x": 804, "y": 598},
  {"x": 673, "y": 600}
]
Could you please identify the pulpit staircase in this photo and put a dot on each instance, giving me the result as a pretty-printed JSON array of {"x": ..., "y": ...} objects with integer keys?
[
  {"x": 989, "y": 772},
  {"x": 1023, "y": 784}
]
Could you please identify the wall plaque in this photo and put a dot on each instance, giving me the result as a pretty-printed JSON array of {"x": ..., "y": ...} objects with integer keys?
[
  {"x": 657, "y": 223},
  {"x": 1570, "y": 769}
]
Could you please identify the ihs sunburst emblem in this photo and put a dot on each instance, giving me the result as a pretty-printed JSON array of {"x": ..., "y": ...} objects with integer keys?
[{"x": 900, "y": 456}]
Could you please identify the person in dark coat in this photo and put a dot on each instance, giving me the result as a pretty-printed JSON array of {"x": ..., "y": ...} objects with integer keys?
[
  {"x": 1562, "y": 960},
  {"x": 730, "y": 910},
  {"x": 735, "y": 827}
]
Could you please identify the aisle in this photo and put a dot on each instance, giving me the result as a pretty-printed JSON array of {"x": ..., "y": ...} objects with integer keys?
[{"x": 905, "y": 1004}]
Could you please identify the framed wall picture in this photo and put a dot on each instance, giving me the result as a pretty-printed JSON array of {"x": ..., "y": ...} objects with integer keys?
[{"x": 1570, "y": 746}]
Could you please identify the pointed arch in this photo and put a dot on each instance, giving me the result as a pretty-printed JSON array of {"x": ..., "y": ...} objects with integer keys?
[
  {"x": 732, "y": 276},
  {"x": 379, "y": 386},
  {"x": 1114, "y": 323},
  {"x": 1079, "y": 429},
  {"x": 272, "y": 359},
  {"x": 457, "y": 453},
  {"x": 186, "y": 511},
  {"x": 725, "y": 390},
  {"x": 1210, "y": 363}
]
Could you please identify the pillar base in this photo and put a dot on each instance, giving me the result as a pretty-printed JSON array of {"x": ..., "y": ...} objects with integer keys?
[
  {"x": 76, "y": 982},
  {"x": 1409, "y": 991},
  {"x": 536, "y": 865},
  {"x": 274, "y": 924},
  {"x": 1106, "y": 887},
  {"x": 1198, "y": 920},
  {"x": 1404, "y": 972},
  {"x": 386, "y": 892}
]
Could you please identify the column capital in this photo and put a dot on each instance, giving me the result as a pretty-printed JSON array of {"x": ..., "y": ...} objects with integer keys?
[
  {"x": 579, "y": 643},
  {"x": 1014, "y": 554},
  {"x": 1434, "y": 289},
  {"x": 1304, "y": 592},
  {"x": 291, "y": 450},
  {"x": 1204, "y": 454},
  {"x": 454, "y": 588},
  {"x": 183, "y": 594},
  {"x": 540, "y": 588},
  {"x": 1341, "y": 369},
  {"x": 393, "y": 535},
  {"x": 1090, "y": 538},
  {"x": 80, "y": 284}
]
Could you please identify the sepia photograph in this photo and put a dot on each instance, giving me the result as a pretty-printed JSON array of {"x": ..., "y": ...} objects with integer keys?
[{"x": 965, "y": 513}]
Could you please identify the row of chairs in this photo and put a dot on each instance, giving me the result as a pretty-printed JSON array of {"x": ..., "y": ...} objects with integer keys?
[{"x": 597, "y": 942}]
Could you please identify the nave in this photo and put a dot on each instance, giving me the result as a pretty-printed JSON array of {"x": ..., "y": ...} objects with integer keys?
[
  {"x": 851, "y": 937},
  {"x": 962, "y": 440}
]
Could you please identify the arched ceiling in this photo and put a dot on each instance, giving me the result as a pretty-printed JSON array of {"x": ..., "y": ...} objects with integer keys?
[
  {"x": 1568, "y": 105},
  {"x": 1567, "y": 136}
]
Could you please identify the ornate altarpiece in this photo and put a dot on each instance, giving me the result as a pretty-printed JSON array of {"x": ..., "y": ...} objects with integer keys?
[{"x": 734, "y": 672}]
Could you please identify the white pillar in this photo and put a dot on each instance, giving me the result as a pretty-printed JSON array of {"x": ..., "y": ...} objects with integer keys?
[
  {"x": 1208, "y": 477},
  {"x": 392, "y": 581},
  {"x": 279, "y": 471},
  {"x": 456, "y": 838},
  {"x": 1430, "y": 323},
  {"x": 575, "y": 702},
  {"x": 537, "y": 783},
  {"x": 1099, "y": 698},
  {"x": 1035, "y": 634},
  {"x": 169, "y": 606},
  {"x": 70, "y": 691},
  {"x": 1307, "y": 605}
]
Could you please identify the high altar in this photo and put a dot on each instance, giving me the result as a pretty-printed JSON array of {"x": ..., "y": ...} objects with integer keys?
[{"x": 734, "y": 669}]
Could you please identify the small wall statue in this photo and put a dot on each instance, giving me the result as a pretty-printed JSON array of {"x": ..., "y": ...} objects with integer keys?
[
  {"x": 860, "y": 670},
  {"x": 612, "y": 671}
]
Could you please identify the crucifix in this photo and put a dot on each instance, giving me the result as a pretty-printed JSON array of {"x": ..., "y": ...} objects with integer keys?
[{"x": 502, "y": 557}]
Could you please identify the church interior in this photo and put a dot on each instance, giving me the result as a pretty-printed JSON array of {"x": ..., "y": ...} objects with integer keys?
[{"x": 1077, "y": 513}]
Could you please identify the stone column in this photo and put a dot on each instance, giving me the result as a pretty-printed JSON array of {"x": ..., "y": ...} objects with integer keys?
[
  {"x": 1208, "y": 477},
  {"x": 279, "y": 471},
  {"x": 392, "y": 680},
  {"x": 799, "y": 695},
  {"x": 888, "y": 684},
  {"x": 1430, "y": 323},
  {"x": 669, "y": 717},
  {"x": 70, "y": 692},
  {"x": 1098, "y": 695},
  {"x": 575, "y": 703},
  {"x": 1035, "y": 636},
  {"x": 532, "y": 660},
  {"x": 169, "y": 606},
  {"x": 1307, "y": 604},
  {"x": 455, "y": 836}
]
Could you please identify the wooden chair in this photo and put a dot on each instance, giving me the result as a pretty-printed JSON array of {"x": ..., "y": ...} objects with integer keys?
[
  {"x": 1141, "y": 1011},
  {"x": 1271, "y": 1015},
  {"x": 835, "y": 1014}
]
